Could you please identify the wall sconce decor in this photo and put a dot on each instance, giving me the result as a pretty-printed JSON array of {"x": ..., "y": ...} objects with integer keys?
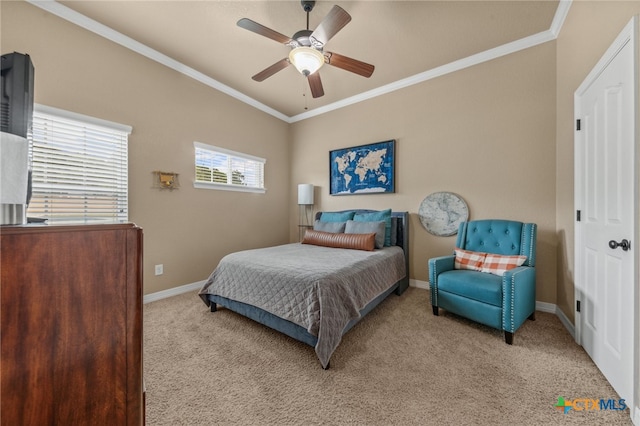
[{"x": 165, "y": 180}]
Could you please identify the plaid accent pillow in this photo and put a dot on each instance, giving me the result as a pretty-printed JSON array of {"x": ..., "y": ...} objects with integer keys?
[
  {"x": 466, "y": 259},
  {"x": 498, "y": 265}
]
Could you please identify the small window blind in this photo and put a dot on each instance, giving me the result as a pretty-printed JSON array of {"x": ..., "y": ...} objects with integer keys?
[
  {"x": 79, "y": 167},
  {"x": 219, "y": 168}
]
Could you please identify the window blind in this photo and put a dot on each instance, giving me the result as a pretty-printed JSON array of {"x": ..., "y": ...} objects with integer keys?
[
  {"x": 79, "y": 167},
  {"x": 220, "y": 168}
]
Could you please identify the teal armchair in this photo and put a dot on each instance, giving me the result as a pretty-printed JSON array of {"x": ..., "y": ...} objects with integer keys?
[{"x": 502, "y": 302}]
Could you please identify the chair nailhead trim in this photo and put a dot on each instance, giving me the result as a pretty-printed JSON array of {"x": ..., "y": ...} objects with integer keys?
[
  {"x": 435, "y": 284},
  {"x": 513, "y": 301}
]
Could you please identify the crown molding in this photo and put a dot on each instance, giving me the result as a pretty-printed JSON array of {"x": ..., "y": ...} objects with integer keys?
[
  {"x": 561, "y": 14},
  {"x": 89, "y": 24}
]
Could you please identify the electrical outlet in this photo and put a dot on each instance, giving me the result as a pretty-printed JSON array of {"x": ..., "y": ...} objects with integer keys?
[{"x": 159, "y": 269}]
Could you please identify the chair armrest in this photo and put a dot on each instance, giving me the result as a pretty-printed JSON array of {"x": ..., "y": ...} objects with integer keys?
[
  {"x": 438, "y": 265},
  {"x": 519, "y": 296}
]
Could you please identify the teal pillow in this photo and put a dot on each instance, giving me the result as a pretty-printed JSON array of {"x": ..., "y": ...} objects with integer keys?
[
  {"x": 336, "y": 216},
  {"x": 382, "y": 215}
]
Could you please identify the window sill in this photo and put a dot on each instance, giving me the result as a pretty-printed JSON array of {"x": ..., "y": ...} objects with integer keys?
[{"x": 223, "y": 187}]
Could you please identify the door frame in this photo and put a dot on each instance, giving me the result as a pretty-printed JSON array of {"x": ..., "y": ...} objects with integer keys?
[{"x": 628, "y": 35}]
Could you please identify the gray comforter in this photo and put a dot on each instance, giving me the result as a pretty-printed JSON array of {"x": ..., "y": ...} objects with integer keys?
[{"x": 318, "y": 288}]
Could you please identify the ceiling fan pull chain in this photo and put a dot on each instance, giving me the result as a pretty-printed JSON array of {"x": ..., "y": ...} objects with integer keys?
[{"x": 304, "y": 95}]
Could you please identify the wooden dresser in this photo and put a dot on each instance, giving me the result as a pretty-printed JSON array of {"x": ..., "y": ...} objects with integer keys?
[{"x": 71, "y": 319}]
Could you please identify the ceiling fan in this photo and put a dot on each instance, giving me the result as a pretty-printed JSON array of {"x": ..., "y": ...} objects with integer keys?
[{"x": 307, "y": 48}]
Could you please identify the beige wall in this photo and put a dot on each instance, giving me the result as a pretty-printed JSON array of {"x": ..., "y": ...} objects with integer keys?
[
  {"x": 486, "y": 133},
  {"x": 187, "y": 230},
  {"x": 589, "y": 29}
]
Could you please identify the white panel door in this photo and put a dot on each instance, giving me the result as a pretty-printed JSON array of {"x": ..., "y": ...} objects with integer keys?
[{"x": 606, "y": 197}]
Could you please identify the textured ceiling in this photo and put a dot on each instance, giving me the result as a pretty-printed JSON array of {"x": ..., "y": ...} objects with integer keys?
[{"x": 401, "y": 38}]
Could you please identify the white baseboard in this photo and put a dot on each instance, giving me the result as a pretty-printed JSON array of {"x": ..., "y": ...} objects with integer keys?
[
  {"x": 566, "y": 322},
  {"x": 148, "y": 298},
  {"x": 546, "y": 307},
  {"x": 419, "y": 284}
]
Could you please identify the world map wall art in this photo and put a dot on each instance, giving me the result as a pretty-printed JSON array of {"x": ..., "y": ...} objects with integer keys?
[{"x": 363, "y": 169}]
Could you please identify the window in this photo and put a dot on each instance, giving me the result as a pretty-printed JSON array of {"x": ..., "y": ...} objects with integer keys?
[
  {"x": 79, "y": 167},
  {"x": 219, "y": 168}
]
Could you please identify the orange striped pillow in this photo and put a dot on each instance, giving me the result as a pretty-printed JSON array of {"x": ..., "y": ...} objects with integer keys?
[{"x": 466, "y": 259}]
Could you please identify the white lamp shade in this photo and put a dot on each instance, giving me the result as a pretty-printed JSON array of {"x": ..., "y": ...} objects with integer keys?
[
  {"x": 305, "y": 194},
  {"x": 307, "y": 60}
]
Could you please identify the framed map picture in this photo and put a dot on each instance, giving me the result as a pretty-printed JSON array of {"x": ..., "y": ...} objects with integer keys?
[{"x": 363, "y": 169}]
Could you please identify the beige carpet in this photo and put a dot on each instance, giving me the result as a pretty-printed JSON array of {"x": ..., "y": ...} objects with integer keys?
[{"x": 399, "y": 366}]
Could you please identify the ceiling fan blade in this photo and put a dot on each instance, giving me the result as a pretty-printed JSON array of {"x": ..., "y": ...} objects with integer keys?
[
  {"x": 349, "y": 64},
  {"x": 269, "y": 71},
  {"x": 335, "y": 20},
  {"x": 253, "y": 26},
  {"x": 316, "y": 85}
]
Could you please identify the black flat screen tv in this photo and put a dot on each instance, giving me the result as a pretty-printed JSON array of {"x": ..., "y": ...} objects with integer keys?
[{"x": 17, "y": 94}]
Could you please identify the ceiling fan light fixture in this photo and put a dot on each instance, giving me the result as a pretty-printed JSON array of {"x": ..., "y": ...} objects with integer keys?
[{"x": 306, "y": 59}]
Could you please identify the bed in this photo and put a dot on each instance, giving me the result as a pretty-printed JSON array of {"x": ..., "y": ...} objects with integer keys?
[{"x": 315, "y": 292}]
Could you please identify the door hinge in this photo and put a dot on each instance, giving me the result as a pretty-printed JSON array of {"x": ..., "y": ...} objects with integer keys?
[
  {"x": 578, "y": 124},
  {"x": 578, "y": 215},
  {"x": 577, "y": 306}
]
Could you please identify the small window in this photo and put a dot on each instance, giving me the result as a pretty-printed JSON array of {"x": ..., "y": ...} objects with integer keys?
[
  {"x": 79, "y": 167},
  {"x": 219, "y": 168}
]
